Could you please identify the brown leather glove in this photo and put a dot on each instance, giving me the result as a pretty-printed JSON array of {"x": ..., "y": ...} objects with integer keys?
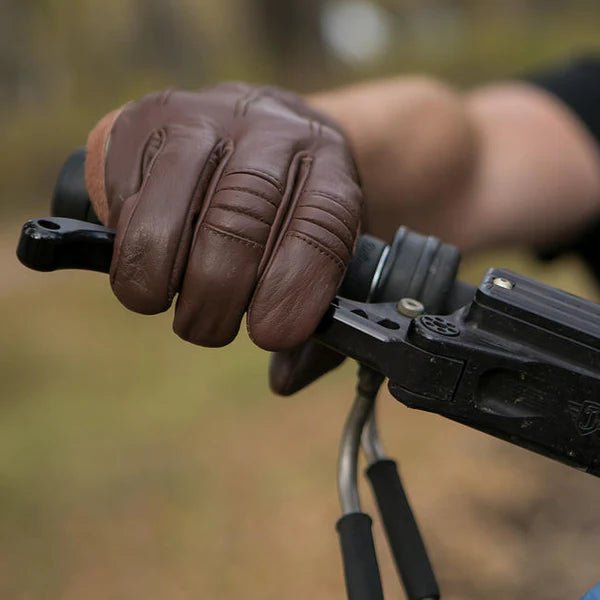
[{"x": 238, "y": 199}]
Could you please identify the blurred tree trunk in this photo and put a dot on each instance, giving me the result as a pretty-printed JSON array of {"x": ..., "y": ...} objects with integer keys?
[
  {"x": 291, "y": 33},
  {"x": 15, "y": 62},
  {"x": 164, "y": 38}
]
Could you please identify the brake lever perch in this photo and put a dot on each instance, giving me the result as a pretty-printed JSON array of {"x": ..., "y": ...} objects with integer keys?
[{"x": 520, "y": 362}]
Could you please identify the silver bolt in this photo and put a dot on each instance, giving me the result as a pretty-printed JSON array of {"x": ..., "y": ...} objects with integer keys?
[
  {"x": 503, "y": 283},
  {"x": 409, "y": 307}
]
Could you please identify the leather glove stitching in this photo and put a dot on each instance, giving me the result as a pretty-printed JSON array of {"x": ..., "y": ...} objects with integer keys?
[
  {"x": 322, "y": 226},
  {"x": 218, "y": 159},
  {"x": 239, "y": 211},
  {"x": 196, "y": 212},
  {"x": 320, "y": 248},
  {"x": 261, "y": 92},
  {"x": 331, "y": 215},
  {"x": 116, "y": 260},
  {"x": 333, "y": 198},
  {"x": 231, "y": 236},
  {"x": 241, "y": 106},
  {"x": 247, "y": 190},
  {"x": 151, "y": 148},
  {"x": 261, "y": 174},
  {"x": 297, "y": 175}
]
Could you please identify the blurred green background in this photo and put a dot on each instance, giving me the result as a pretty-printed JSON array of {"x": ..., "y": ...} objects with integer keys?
[{"x": 133, "y": 465}]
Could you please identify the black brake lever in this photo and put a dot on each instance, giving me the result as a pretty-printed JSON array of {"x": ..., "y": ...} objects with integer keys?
[{"x": 53, "y": 243}]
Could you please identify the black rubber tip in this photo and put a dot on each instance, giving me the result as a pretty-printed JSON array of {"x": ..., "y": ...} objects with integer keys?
[
  {"x": 361, "y": 571},
  {"x": 402, "y": 532}
]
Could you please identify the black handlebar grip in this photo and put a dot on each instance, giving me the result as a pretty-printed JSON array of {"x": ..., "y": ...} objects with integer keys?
[
  {"x": 361, "y": 571},
  {"x": 402, "y": 532},
  {"x": 413, "y": 266},
  {"x": 70, "y": 198},
  {"x": 365, "y": 263}
]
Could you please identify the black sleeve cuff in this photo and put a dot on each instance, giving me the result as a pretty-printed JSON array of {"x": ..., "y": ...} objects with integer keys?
[{"x": 577, "y": 84}]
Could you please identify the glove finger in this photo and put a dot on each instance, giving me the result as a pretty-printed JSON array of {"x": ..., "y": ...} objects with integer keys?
[
  {"x": 155, "y": 224},
  {"x": 314, "y": 249},
  {"x": 292, "y": 370},
  {"x": 232, "y": 238}
]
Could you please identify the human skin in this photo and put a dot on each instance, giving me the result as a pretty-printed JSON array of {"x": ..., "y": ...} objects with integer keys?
[{"x": 504, "y": 164}]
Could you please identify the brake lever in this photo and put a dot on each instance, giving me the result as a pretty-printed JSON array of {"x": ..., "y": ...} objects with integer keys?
[{"x": 52, "y": 243}]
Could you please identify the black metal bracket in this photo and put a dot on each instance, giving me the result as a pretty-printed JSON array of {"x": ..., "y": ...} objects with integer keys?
[{"x": 520, "y": 362}]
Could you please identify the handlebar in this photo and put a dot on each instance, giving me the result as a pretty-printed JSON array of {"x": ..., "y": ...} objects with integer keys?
[
  {"x": 412, "y": 266},
  {"x": 520, "y": 361}
]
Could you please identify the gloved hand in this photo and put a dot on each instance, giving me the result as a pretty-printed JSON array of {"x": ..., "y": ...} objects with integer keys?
[{"x": 238, "y": 199}]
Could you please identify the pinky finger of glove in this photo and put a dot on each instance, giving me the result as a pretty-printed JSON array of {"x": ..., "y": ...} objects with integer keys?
[{"x": 292, "y": 370}]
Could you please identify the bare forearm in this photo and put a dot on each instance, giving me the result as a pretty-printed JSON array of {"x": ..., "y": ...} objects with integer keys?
[
  {"x": 538, "y": 174},
  {"x": 413, "y": 143},
  {"x": 503, "y": 164}
]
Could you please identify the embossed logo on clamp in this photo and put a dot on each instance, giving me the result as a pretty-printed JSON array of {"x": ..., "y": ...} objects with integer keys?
[{"x": 588, "y": 420}]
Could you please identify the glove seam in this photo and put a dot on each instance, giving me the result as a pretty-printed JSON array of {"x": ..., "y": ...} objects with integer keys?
[
  {"x": 267, "y": 177},
  {"x": 320, "y": 248},
  {"x": 198, "y": 200},
  {"x": 115, "y": 270},
  {"x": 297, "y": 177},
  {"x": 330, "y": 214},
  {"x": 332, "y": 198},
  {"x": 239, "y": 211},
  {"x": 248, "y": 190},
  {"x": 232, "y": 236},
  {"x": 333, "y": 233},
  {"x": 294, "y": 189}
]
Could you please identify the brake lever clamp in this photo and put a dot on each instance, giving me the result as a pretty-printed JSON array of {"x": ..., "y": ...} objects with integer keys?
[{"x": 520, "y": 362}]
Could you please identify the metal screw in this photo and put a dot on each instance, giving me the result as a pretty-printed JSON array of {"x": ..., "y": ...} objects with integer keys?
[
  {"x": 409, "y": 307},
  {"x": 503, "y": 283}
]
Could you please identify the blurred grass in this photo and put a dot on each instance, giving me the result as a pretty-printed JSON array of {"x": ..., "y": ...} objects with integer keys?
[{"x": 133, "y": 465}]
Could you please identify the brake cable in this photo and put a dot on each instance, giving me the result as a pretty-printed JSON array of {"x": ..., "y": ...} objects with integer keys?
[{"x": 361, "y": 571}]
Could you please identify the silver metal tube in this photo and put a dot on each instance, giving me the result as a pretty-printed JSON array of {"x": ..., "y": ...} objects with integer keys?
[
  {"x": 378, "y": 272},
  {"x": 366, "y": 392},
  {"x": 371, "y": 441}
]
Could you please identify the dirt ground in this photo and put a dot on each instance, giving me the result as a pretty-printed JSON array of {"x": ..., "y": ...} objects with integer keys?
[{"x": 133, "y": 465}]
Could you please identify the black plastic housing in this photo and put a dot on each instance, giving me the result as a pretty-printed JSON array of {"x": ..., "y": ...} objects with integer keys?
[
  {"x": 521, "y": 362},
  {"x": 530, "y": 373}
]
